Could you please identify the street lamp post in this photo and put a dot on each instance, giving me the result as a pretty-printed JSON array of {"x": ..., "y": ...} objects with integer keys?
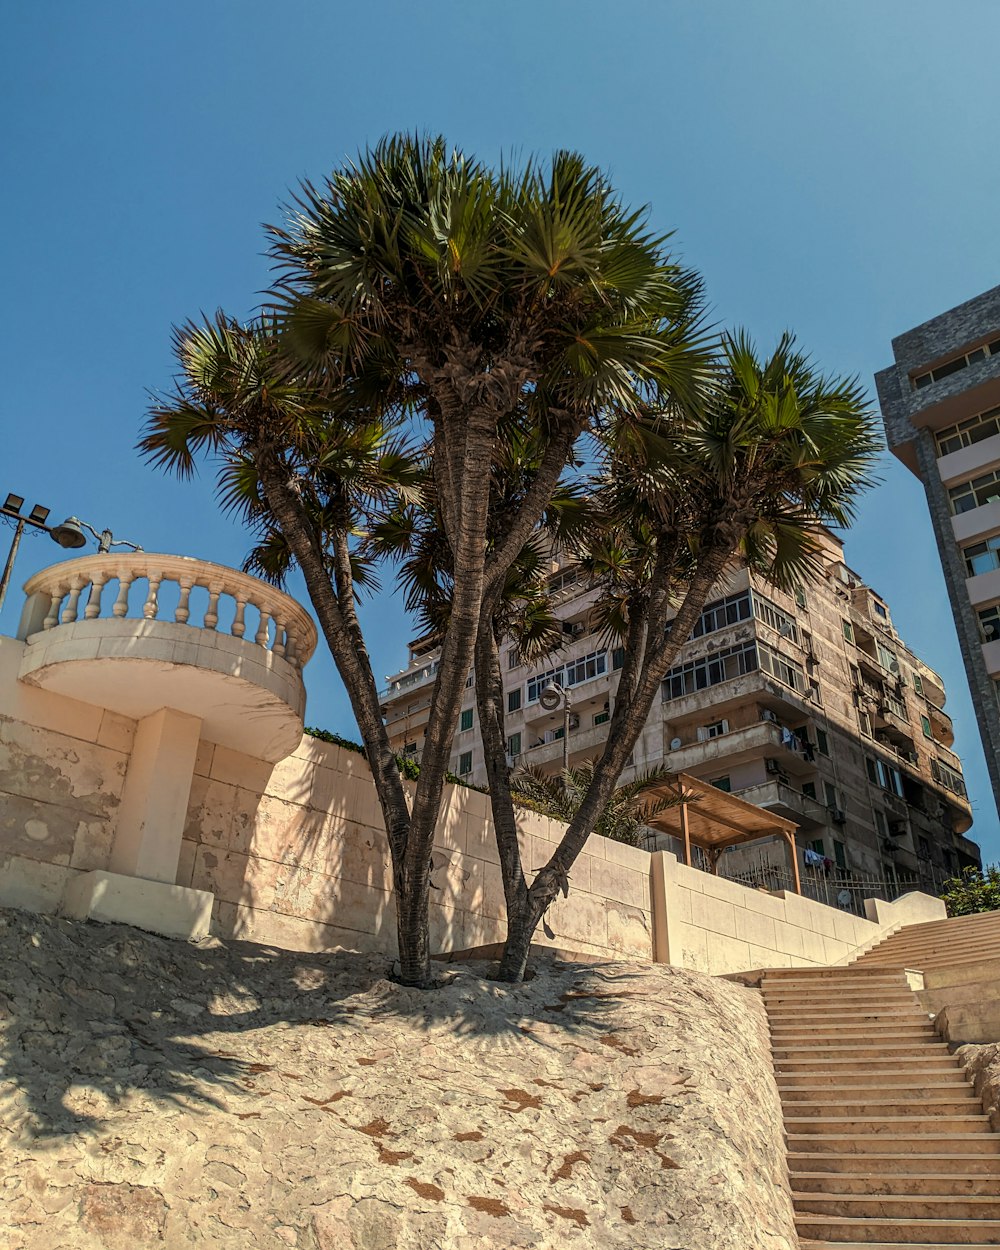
[
  {"x": 69, "y": 534},
  {"x": 552, "y": 697}
]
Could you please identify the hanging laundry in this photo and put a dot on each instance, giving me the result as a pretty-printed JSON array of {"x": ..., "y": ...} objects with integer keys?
[{"x": 813, "y": 858}]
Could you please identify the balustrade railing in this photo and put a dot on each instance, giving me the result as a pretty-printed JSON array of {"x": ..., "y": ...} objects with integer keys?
[{"x": 76, "y": 591}]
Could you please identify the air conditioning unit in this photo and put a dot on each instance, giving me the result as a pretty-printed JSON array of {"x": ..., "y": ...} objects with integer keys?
[
  {"x": 897, "y": 828},
  {"x": 574, "y": 721},
  {"x": 772, "y": 767},
  {"x": 767, "y": 714},
  {"x": 838, "y": 815}
]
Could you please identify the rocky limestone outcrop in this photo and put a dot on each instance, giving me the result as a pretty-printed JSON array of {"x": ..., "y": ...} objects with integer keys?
[
  {"x": 982, "y": 1066},
  {"x": 230, "y": 1095}
]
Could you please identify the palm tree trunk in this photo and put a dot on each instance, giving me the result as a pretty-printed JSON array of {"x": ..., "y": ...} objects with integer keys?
[{"x": 644, "y": 670}]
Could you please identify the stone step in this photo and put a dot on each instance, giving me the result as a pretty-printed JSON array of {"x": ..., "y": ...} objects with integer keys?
[
  {"x": 913, "y": 1079},
  {"x": 904, "y": 1013},
  {"x": 834, "y": 990},
  {"x": 873, "y": 1050},
  {"x": 841, "y": 1228},
  {"x": 877, "y": 1030},
  {"x": 904, "y": 956},
  {"x": 808, "y": 1244},
  {"x": 850, "y": 1142},
  {"x": 834, "y": 1107},
  {"x": 899, "y": 1206},
  {"x": 812, "y": 1065},
  {"x": 827, "y": 1183},
  {"x": 852, "y": 1001},
  {"x": 892, "y": 1163},
  {"x": 841, "y": 972},
  {"x": 898, "y": 1125},
  {"x": 929, "y": 1092}
]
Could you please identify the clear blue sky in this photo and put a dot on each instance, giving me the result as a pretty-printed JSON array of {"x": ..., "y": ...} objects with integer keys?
[{"x": 829, "y": 168}]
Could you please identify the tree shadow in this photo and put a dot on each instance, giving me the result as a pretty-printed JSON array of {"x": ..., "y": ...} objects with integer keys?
[{"x": 97, "y": 1014}]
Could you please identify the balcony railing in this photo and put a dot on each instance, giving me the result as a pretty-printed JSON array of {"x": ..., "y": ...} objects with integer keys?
[{"x": 76, "y": 591}]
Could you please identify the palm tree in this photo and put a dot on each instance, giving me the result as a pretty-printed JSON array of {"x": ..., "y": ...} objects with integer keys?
[
  {"x": 778, "y": 452},
  {"x": 424, "y": 293},
  {"x": 627, "y": 813}
]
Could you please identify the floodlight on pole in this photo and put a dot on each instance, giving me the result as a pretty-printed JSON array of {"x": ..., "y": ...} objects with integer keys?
[{"x": 37, "y": 517}]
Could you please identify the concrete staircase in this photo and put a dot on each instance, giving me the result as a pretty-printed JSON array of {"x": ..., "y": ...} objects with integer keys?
[
  {"x": 887, "y": 1143},
  {"x": 938, "y": 944}
]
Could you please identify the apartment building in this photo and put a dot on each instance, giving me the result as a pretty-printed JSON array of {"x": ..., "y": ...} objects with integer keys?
[
  {"x": 808, "y": 704},
  {"x": 940, "y": 402}
]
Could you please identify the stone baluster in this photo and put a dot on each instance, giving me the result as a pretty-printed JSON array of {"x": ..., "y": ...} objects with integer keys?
[
  {"x": 212, "y": 611},
  {"x": 182, "y": 611},
  {"x": 291, "y": 641},
  {"x": 125, "y": 580},
  {"x": 279, "y": 636},
  {"x": 260, "y": 638},
  {"x": 97, "y": 584},
  {"x": 52, "y": 616},
  {"x": 68, "y": 615},
  {"x": 152, "y": 604},
  {"x": 238, "y": 628}
]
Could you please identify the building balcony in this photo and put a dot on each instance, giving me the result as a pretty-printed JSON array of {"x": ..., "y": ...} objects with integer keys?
[
  {"x": 88, "y": 635},
  {"x": 977, "y": 522},
  {"x": 941, "y": 724},
  {"x": 784, "y": 801},
  {"x": 959, "y": 466},
  {"x": 752, "y": 688},
  {"x": 583, "y": 743},
  {"x": 740, "y": 746}
]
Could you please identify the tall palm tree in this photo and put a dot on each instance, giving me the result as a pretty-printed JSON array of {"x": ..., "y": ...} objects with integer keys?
[
  {"x": 776, "y": 453},
  {"x": 421, "y": 291}
]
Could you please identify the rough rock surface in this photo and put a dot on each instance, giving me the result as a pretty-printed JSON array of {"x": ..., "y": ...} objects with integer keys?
[
  {"x": 982, "y": 1066},
  {"x": 230, "y": 1095}
]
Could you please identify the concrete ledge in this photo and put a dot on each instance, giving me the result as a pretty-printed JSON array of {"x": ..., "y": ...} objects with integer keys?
[{"x": 108, "y": 897}]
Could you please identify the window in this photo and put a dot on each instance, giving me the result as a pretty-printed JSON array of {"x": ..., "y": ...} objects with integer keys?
[
  {"x": 865, "y": 723},
  {"x": 466, "y": 720},
  {"x": 564, "y": 579},
  {"x": 955, "y": 365},
  {"x": 722, "y": 612},
  {"x": 711, "y": 670},
  {"x": 470, "y": 679},
  {"x": 514, "y": 745},
  {"x": 975, "y": 493},
  {"x": 765, "y": 611},
  {"x": 465, "y": 764},
  {"x": 947, "y": 776},
  {"x": 925, "y": 725},
  {"x": 787, "y": 672},
  {"x": 973, "y": 430},
  {"x": 989, "y": 622},
  {"x": 602, "y": 718},
  {"x": 514, "y": 700},
  {"x": 848, "y": 630},
  {"x": 822, "y": 742},
  {"x": 715, "y": 730},
  {"x": 809, "y": 789},
  {"x": 570, "y": 674},
  {"x": 881, "y": 824},
  {"x": 513, "y": 660},
  {"x": 618, "y": 658},
  {"x": 880, "y": 610},
  {"x": 409, "y": 748},
  {"x": 982, "y": 557},
  {"x": 840, "y": 855},
  {"x": 830, "y": 794},
  {"x": 882, "y": 774},
  {"x": 819, "y": 846},
  {"x": 586, "y": 668},
  {"x": 924, "y": 847},
  {"x": 918, "y": 683},
  {"x": 722, "y": 783},
  {"x": 888, "y": 659},
  {"x": 800, "y": 596}
]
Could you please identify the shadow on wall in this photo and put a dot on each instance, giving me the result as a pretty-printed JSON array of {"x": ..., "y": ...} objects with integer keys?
[
  {"x": 97, "y": 1014},
  {"x": 297, "y": 854}
]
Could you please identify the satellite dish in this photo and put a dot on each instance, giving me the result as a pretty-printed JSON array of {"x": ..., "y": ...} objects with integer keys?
[
  {"x": 551, "y": 697},
  {"x": 844, "y": 898},
  {"x": 675, "y": 744}
]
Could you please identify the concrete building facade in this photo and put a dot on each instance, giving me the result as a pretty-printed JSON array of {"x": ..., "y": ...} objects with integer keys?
[
  {"x": 940, "y": 402},
  {"x": 807, "y": 704}
]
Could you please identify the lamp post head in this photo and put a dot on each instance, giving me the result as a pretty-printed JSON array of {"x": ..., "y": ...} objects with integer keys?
[{"x": 70, "y": 534}]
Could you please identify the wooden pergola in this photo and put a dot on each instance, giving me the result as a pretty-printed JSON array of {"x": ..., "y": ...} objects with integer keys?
[{"x": 713, "y": 819}]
